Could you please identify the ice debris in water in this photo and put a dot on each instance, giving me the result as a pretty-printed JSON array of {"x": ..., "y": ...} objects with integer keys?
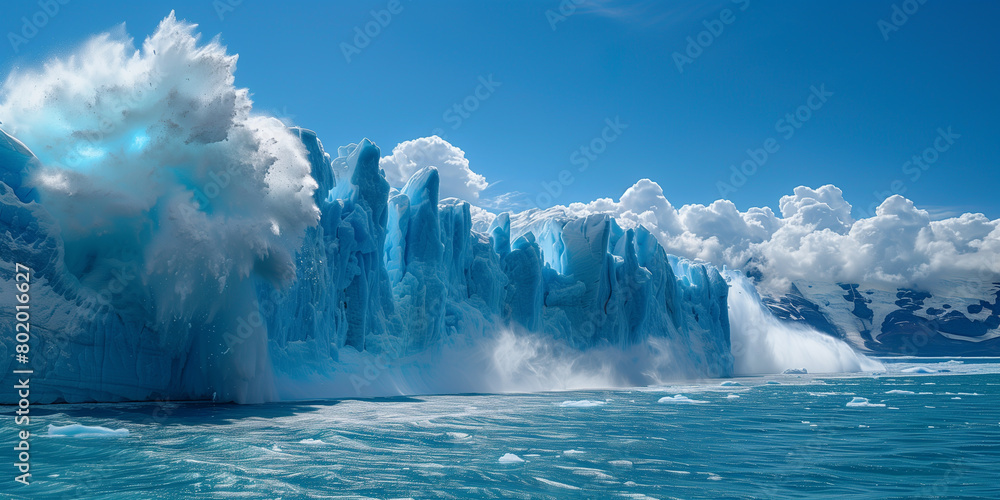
[
  {"x": 862, "y": 403},
  {"x": 510, "y": 458}
]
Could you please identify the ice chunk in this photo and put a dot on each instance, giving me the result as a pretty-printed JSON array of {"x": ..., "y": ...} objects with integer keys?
[
  {"x": 899, "y": 391},
  {"x": 862, "y": 403},
  {"x": 918, "y": 369},
  {"x": 510, "y": 458},
  {"x": 730, "y": 383},
  {"x": 795, "y": 371}
]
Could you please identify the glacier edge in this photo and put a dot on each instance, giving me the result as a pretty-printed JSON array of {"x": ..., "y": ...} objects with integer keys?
[{"x": 394, "y": 292}]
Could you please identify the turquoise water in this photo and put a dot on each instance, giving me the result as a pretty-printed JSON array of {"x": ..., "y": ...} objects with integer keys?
[{"x": 793, "y": 439}]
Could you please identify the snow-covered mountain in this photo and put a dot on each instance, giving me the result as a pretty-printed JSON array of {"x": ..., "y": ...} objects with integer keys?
[{"x": 962, "y": 320}]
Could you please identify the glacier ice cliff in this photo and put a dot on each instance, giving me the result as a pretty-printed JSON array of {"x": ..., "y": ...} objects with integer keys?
[{"x": 394, "y": 291}]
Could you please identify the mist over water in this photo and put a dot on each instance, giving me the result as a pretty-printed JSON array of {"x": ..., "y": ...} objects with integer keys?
[
  {"x": 517, "y": 361},
  {"x": 510, "y": 361}
]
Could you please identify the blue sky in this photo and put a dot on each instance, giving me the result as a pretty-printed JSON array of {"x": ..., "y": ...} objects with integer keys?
[{"x": 557, "y": 88}]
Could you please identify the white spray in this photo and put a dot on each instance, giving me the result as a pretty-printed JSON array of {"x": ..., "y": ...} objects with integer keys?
[{"x": 762, "y": 344}]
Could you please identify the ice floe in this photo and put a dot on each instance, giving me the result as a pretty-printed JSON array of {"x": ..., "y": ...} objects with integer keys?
[
  {"x": 862, "y": 403},
  {"x": 510, "y": 458}
]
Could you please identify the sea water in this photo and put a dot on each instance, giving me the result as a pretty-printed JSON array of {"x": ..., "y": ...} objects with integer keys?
[{"x": 922, "y": 428}]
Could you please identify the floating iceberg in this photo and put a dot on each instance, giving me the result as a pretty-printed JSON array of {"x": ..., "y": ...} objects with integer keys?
[
  {"x": 510, "y": 458},
  {"x": 862, "y": 403}
]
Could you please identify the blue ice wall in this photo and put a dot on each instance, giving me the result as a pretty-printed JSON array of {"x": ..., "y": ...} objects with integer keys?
[{"x": 385, "y": 273}]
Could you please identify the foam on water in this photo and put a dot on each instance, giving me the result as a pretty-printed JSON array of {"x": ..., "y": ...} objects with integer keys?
[
  {"x": 919, "y": 369},
  {"x": 583, "y": 403},
  {"x": 399, "y": 447},
  {"x": 84, "y": 431},
  {"x": 556, "y": 484}
]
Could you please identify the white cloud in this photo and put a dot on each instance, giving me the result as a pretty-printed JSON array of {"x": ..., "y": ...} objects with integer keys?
[
  {"x": 815, "y": 238},
  {"x": 457, "y": 179},
  {"x": 822, "y": 208}
]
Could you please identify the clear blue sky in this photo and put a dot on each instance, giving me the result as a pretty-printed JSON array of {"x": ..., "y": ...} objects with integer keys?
[{"x": 608, "y": 59}]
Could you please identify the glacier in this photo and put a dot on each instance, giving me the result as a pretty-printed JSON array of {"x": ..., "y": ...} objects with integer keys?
[
  {"x": 184, "y": 247},
  {"x": 393, "y": 281}
]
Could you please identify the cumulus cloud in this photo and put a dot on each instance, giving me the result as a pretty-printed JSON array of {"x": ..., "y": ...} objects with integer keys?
[
  {"x": 814, "y": 238},
  {"x": 457, "y": 179}
]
